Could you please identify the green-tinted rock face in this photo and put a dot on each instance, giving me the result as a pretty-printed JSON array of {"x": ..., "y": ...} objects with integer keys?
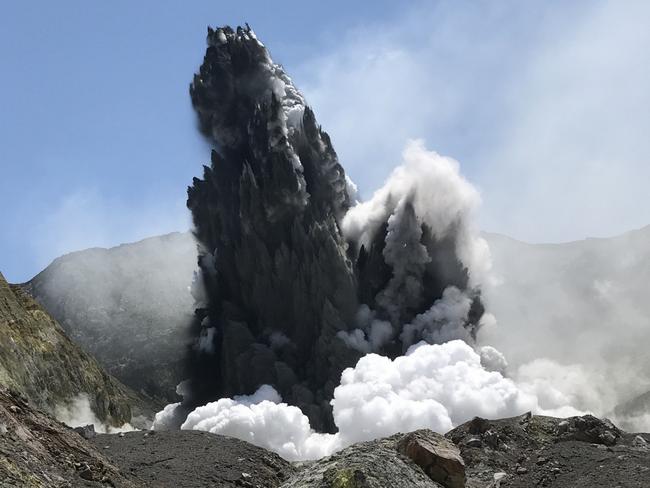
[
  {"x": 38, "y": 452},
  {"x": 39, "y": 361},
  {"x": 346, "y": 478}
]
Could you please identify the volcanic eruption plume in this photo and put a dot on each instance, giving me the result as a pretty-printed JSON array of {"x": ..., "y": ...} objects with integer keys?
[{"x": 297, "y": 279}]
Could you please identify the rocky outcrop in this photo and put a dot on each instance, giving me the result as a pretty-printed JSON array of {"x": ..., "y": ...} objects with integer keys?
[
  {"x": 129, "y": 306},
  {"x": 531, "y": 450},
  {"x": 588, "y": 429},
  {"x": 439, "y": 458},
  {"x": 404, "y": 461},
  {"x": 38, "y": 452},
  {"x": 39, "y": 361}
]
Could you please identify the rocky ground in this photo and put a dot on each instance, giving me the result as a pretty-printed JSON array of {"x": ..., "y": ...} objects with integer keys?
[
  {"x": 532, "y": 451},
  {"x": 188, "y": 459},
  {"x": 38, "y": 452},
  {"x": 525, "y": 451},
  {"x": 422, "y": 459}
]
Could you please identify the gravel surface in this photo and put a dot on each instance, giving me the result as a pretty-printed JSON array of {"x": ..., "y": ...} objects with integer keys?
[{"x": 184, "y": 459}]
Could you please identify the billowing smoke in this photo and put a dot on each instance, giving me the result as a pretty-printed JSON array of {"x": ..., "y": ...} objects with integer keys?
[
  {"x": 306, "y": 289},
  {"x": 431, "y": 386},
  {"x": 547, "y": 174},
  {"x": 574, "y": 316},
  {"x": 299, "y": 279},
  {"x": 425, "y": 202},
  {"x": 426, "y": 189}
]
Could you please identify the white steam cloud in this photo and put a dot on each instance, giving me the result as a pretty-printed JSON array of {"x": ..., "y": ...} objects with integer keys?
[
  {"x": 444, "y": 321},
  {"x": 575, "y": 318},
  {"x": 431, "y": 386},
  {"x": 426, "y": 188},
  {"x": 554, "y": 135},
  {"x": 440, "y": 197},
  {"x": 77, "y": 413},
  {"x": 556, "y": 124}
]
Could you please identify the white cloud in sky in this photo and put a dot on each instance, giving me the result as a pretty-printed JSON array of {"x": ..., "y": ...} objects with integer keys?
[{"x": 545, "y": 106}]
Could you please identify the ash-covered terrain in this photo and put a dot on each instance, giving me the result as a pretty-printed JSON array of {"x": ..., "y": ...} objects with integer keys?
[{"x": 581, "y": 452}]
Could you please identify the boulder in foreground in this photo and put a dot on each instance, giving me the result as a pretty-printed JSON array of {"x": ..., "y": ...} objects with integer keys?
[
  {"x": 438, "y": 457},
  {"x": 422, "y": 459}
]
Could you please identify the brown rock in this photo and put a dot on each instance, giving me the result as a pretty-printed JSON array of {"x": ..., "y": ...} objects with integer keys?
[
  {"x": 438, "y": 457},
  {"x": 478, "y": 426}
]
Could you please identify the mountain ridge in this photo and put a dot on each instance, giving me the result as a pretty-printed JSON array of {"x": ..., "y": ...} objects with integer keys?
[{"x": 127, "y": 306}]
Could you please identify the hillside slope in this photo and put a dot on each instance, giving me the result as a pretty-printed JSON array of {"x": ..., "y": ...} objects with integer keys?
[
  {"x": 39, "y": 361},
  {"x": 128, "y": 306},
  {"x": 592, "y": 286},
  {"x": 38, "y": 452}
]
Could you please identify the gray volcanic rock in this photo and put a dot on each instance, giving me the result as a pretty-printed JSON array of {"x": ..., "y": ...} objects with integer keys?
[
  {"x": 438, "y": 457},
  {"x": 580, "y": 452},
  {"x": 373, "y": 464},
  {"x": 130, "y": 306},
  {"x": 283, "y": 286},
  {"x": 39, "y": 452},
  {"x": 519, "y": 452}
]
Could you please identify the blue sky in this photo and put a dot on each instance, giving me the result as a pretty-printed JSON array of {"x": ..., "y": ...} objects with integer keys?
[{"x": 545, "y": 105}]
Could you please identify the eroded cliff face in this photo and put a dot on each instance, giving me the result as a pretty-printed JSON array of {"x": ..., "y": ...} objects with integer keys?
[
  {"x": 40, "y": 362},
  {"x": 285, "y": 290}
]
